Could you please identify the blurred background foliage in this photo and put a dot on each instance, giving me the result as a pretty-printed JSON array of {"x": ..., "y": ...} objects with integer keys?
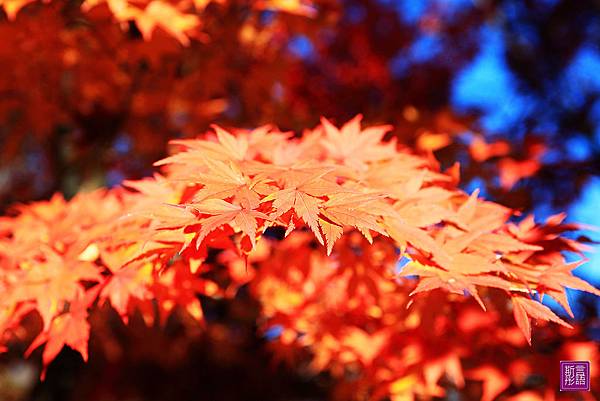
[{"x": 508, "y": 88}]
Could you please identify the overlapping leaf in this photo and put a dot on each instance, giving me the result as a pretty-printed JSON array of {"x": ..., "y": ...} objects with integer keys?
[{"x": 146, "y": 248}]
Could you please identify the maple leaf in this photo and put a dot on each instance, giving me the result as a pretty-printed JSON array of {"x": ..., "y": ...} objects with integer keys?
[
  {"x": 355, "y": 147},
  {"x": 524, "y": 308},
  {"x": 357, "y": 210},
  {"x": 478, "y": 215},
  {"x": 454, "y": 281},
  {"x": 223, "y": 180},
  {"x": 423, "y": 215},
  {"x": 303, "y": 192},
  {"x": 71, "y": 328},
  {"x": 480, "y": 252},
  {"x": 405, "y": 234},
  {"x": 235, "y": 148},
  {"x": 50, "y": 284},
  {"x": 318, "y": 181},
  {"x": 332, "y": 233},
  {"x": 560, "y": 276},
  {"x": 128, "y": 282},
  {"x": 555, "y": 279},
  {"x": 226, "y": 147},
  {"x": 305, "y": 206},
  {"x": 222, "y": 213},
  {"x": 155, "y": 188},
  {"x": 402, "y": 176},
  {"x": 155, "y": 14},
  {"x": 178, "y": 286},
  {"x": 502, "y": 243}
]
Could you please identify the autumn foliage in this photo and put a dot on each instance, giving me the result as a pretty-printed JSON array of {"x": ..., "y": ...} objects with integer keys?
[
  {"x": 349, "y": 252},
  {"x": 80, "y": 76},
  {"x": 368, "y": 262}
]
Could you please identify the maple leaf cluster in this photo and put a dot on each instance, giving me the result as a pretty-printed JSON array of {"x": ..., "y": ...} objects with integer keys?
[
  {"x": 71, "y": 61},
  {"x": 85, "y": 75},
  {"x": 357, "y": 249},
  {"x": 178, "y": 18}
]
